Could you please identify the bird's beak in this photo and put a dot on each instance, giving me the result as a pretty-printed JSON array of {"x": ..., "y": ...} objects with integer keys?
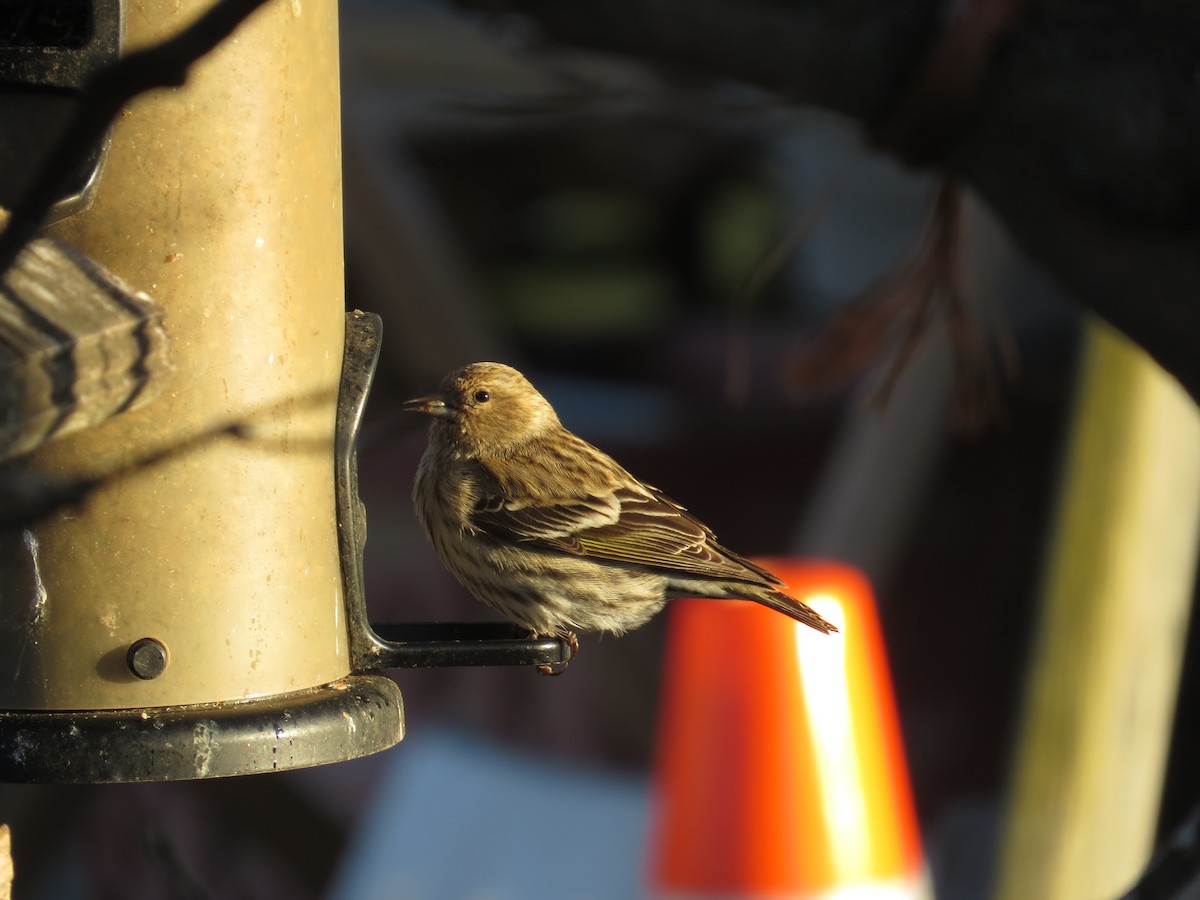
[{"x": 430, "y": 406}]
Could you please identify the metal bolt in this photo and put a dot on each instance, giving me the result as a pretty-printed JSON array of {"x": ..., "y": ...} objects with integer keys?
[{"x": 147, "y": 658}]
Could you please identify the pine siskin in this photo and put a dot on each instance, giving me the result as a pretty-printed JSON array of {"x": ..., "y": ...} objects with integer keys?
[{"x": 551, "y": 532}]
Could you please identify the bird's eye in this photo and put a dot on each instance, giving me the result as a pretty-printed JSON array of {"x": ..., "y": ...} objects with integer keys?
[{"x": 482, "y": 396}]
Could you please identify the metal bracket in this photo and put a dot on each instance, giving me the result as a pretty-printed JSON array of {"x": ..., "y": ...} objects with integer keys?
[{"x": 389, "y": 646}]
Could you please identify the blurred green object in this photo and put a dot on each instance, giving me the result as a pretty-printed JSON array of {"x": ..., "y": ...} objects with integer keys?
[
  {"x": 580, "y": 220},
  {"x": 582, "y": 301},
  {"x": 739, "y": 225}
]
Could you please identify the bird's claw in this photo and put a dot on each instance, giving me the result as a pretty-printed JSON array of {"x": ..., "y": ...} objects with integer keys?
[{"x": 560, "y": 667}]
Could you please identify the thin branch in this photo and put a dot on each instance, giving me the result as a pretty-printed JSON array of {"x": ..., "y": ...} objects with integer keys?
[
  {"x": 164, "y": 65},
  {"x": 737, "y": 377}
]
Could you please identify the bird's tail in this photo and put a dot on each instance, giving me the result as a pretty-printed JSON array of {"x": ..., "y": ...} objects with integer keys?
[{"x": 790, "y": 606}]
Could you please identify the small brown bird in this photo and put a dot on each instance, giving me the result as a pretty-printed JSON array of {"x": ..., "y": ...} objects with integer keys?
[{"x": 543, "y": 527}]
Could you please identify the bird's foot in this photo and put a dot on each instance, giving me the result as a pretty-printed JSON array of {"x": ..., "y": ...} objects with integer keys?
[{"x": 559, "y": 668}]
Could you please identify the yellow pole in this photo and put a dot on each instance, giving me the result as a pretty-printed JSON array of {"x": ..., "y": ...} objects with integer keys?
[{"x": 1100, "y": 701}]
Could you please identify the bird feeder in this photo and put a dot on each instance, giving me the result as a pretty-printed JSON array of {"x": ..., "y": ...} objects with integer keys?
[{"x": 181, "y": 580}]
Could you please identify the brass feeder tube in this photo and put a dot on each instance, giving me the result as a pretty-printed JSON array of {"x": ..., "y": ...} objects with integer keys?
[{"x": 203, "y": 567}]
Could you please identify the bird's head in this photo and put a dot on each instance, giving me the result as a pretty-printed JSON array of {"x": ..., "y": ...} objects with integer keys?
[{"x": 486, "y": 408}]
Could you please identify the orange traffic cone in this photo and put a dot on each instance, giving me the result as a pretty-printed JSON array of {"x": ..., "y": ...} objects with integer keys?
[{"x": 780, "y": 768}]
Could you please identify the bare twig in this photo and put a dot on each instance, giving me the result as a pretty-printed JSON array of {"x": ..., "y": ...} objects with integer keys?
[
  {"x": 900, "y": 310},
  {"x": 737, "y": 378},
  {"x": 164, "y": 65}
]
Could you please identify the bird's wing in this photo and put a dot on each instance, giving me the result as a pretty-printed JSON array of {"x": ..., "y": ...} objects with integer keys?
[{"x": 637, "y": 525}]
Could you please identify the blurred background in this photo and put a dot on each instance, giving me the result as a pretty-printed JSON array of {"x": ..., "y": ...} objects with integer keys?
[{"x": 659, "y": 255}]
